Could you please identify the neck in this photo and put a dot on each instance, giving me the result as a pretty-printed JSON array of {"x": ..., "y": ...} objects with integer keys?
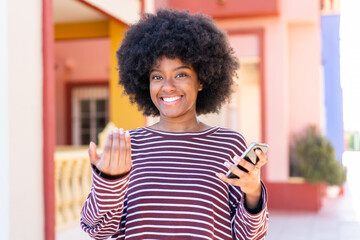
[{"x": 185, "y": 125}]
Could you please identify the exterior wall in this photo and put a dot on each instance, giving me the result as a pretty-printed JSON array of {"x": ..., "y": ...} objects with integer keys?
[
  {"x": 78, "y": 30},
  {"x": 300, "y": 11},
  {"x": 306, "y": 87},
  {"x": 330, "y": 25},
  {"x": 293, "y": 95},
  {"x": 286, "y": 57},
  {"x": 83, "y": 61},
  {"x": 276, "y": 105},
  {"x": 21, "y": 179},
  {"x": 229, "y": 8},
  {"x": 122, "y": 113}
]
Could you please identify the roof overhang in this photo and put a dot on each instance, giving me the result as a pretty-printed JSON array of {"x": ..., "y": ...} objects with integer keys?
[{"x": 126, "y": 12}]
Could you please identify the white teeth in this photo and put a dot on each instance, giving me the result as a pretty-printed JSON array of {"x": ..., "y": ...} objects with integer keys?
[{"x": 171, "y": 99}]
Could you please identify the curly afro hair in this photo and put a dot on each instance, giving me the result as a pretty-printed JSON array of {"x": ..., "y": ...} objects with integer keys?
[{"x": 194, "y": 39}]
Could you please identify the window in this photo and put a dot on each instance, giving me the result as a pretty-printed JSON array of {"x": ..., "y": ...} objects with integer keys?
[{"x": 90, "y": 113}]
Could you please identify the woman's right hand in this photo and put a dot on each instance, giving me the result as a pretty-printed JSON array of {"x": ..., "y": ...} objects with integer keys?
[{"x": 116, "y": 157}]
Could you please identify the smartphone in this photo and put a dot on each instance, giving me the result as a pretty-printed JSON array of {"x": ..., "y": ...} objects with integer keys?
[{"x": 250, "y": 156}]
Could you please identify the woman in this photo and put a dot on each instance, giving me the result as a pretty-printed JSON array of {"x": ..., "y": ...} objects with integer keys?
[{"x": 167, "y": 181}]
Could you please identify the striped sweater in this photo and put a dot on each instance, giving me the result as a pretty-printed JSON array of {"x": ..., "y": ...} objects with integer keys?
[{"x": 172, "y": 191}]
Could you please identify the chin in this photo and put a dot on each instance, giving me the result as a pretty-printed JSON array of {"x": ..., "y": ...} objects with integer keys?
[{"x": 170, "y": 115}]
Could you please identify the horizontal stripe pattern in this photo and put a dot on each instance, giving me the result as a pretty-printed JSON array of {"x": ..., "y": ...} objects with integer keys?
[{"x": 172, "y": 191}]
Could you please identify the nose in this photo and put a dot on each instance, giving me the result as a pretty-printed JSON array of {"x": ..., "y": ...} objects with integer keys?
[{"x": 168, "y": 85}]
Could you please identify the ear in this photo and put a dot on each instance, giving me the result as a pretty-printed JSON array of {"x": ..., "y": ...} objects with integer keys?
[{"x": 201, "y": 87}]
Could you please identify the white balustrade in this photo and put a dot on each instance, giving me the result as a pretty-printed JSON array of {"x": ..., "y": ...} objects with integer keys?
[
  {"x": 73, "y": 181},
  {"x": 330, "y": 6},
  {"x": 72, "y": 185}
]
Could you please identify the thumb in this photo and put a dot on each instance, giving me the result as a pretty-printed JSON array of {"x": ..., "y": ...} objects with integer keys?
[{"x": 92, "y": 153}]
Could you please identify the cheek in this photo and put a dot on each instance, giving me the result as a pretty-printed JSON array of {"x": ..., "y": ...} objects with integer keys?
[
  {"x": 195, "y": 89},
  {"x": 153, "y": 92}
]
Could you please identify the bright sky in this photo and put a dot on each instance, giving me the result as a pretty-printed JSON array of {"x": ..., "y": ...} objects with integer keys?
[{"x": 350, "y": 62}]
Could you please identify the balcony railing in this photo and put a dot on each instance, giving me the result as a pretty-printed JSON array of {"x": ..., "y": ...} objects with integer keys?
[
  {"x": 330, "y": 6},
  {"x": 72, "y": 185},
  {"x": 73, "y": 179}
]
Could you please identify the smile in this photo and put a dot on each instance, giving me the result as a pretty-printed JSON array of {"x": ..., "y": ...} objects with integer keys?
[{"x": 171, "y": 99}]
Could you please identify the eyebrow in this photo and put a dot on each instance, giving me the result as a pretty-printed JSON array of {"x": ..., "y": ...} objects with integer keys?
[{"x": 180, "y": 67}]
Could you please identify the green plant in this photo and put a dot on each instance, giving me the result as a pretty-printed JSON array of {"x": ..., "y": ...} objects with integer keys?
[
  {"x": 313, "y": 157},
  {"x": 337, "y": 174}
]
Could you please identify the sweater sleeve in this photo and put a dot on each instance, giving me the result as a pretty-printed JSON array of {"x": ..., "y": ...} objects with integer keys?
[
  {"x": 102, "y": 211},
  {"x": 247, "y": 226}
]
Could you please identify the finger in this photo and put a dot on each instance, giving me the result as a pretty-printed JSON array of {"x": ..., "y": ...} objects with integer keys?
[
  {"x": 122, "y": 146},
  {"x": 106, "y": 155},
  {"x": 93, "y": 156},
  {"x": 262, "y": 159},
  {"x": 128, "y": 147},
  {"x": 245, "y": 164},
  {"x": 115, "y": 148},
  {"x": 226, "y": 179},
  {"x": 234, "y": 169}
]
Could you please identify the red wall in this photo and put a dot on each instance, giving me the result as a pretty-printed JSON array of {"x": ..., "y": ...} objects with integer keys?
[
  {"x": 295, "y": 196},
  {"x": 229, "y": 8}
]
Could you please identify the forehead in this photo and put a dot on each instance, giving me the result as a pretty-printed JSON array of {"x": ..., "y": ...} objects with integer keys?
[{"x": 169, "y": 62}]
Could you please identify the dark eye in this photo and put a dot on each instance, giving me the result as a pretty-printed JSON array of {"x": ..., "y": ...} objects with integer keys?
[
  {"x": 181, "y": 75},
  {"x": 156, "y": 77}
]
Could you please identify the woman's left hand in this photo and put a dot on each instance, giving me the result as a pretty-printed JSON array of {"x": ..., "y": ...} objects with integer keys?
[{"x": 249, "y": 182}]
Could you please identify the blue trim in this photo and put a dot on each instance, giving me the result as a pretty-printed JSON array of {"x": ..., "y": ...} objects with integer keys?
[{"x": 330, "y": 39}]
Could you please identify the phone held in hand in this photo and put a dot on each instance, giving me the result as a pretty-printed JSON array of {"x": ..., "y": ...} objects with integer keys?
[{"x": 250, "y": 156}]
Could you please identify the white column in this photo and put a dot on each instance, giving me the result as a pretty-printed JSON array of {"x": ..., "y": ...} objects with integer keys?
[
  {"x": 4, "y": 125},
  {"x": 149, "y": 6},
  {"x": 21, "y": 134}
]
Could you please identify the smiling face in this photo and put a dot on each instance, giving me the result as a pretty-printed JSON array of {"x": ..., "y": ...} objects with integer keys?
[{"x": 173, "y": 89}]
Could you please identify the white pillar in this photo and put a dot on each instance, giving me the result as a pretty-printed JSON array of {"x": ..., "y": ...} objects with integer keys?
[
  {"x": 21, "y": 177},
  {"x": 149, "y": 6},
  {"x": 4, "y": 125}
]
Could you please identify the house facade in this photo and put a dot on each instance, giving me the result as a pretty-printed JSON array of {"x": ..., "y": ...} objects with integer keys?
[{"x": 59, "y": 89}]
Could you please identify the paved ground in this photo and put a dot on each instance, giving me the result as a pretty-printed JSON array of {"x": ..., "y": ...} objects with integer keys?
[{"x": 339, "y": 219}]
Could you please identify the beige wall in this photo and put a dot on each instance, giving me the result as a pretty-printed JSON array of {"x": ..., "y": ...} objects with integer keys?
[{"x": 21, "y": 122}]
